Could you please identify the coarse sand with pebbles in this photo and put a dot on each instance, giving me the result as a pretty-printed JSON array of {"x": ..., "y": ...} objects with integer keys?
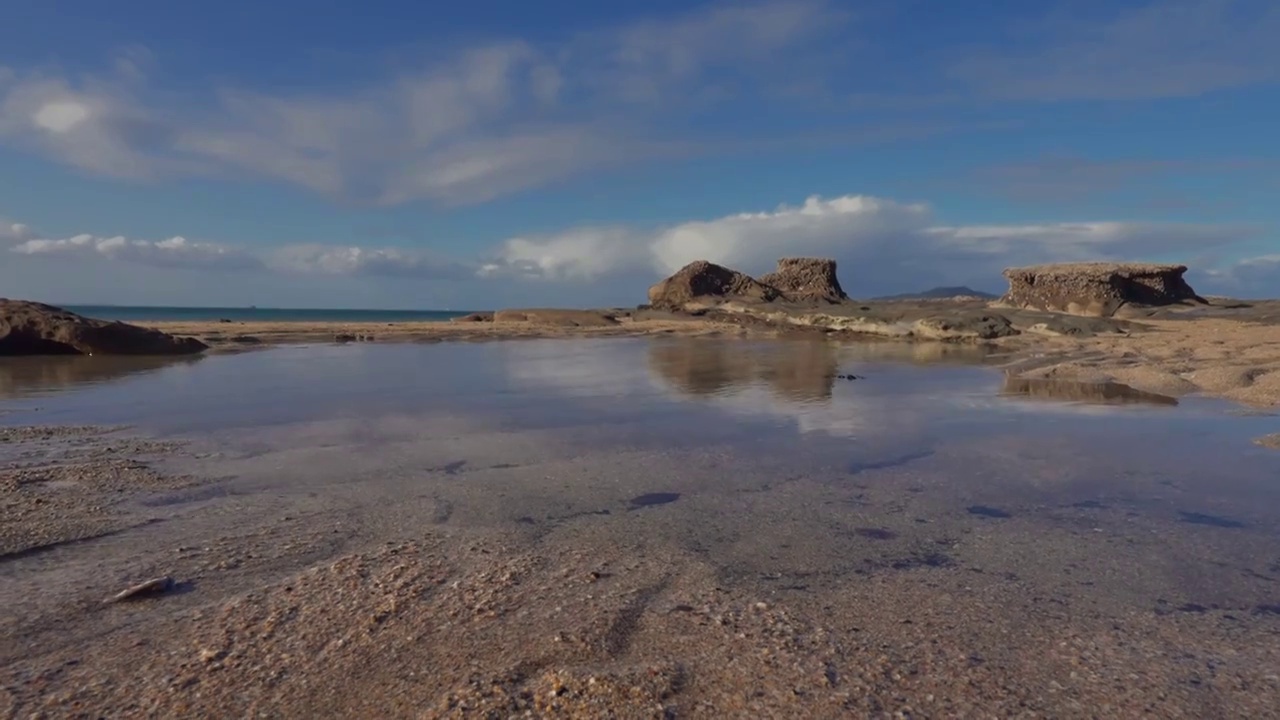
[
  {"x": 451, "y": 627},
  {"x": 794, "y": 601}
]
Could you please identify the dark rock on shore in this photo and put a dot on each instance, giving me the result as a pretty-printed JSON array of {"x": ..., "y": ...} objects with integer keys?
[
  {"x": 806, "y": 279},
  {"x": 474, "y": 317},
  {"x": 1096, "y": 289},
  {"x": 702, "y": 280},
  {"x": 30, "y": 328}
]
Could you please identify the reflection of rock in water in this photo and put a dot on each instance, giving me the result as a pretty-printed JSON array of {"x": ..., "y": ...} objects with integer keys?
[
  {"x": 1111, "y": 393},
  {"x": 797, "y": 370},
  {"x": 26, "y": 375},
  {"x": 930, "y": 353}
]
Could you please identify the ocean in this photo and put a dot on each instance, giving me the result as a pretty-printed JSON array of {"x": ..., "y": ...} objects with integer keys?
[{"x": 130, "y": 313}]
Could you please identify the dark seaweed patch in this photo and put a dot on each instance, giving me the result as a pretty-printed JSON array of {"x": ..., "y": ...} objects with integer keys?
[
  {"x": 1267, "y": 610},
  {"x": 856, "y": 467},
  {"x": 651, "y": 499},
  {"x": 924, "y": 559},
  {"x": 988, "y": 511},
  {"x": 876, "y": 533},
  {"x": 1193, "y": 608},
  {"x": 1197, "y": 518}
]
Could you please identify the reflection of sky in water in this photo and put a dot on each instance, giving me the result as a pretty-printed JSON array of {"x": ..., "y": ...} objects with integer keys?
[
  {"x": 682, "y": 391},
  {"x": 556, "y": 383},
  {"x": 776, "y": 404}
]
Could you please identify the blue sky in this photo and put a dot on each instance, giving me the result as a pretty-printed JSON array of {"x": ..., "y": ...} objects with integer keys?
[{"x": 397, "y": 154}]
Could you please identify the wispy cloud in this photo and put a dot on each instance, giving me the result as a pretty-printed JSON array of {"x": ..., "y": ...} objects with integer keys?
[
  {"x": 355, "y": 260},
  {"x": 1163, "y": 49},
  {"x": 173, "y": 252},
  {"x": 493, "y": 119},
  {"x": 1254, "y": 277},
  {"x": 180, "y": 253},
  {"x": 1068, "y": 178}
]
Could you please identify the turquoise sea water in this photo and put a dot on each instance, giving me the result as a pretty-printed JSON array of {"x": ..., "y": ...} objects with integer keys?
[{"x": 128, "y": 313}]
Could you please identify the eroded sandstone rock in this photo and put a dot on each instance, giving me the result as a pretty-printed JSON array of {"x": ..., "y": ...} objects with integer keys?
[
  {"x": 806, "y": 279},
  {"x": 702, "y": 280},
  {"x": 1095, "y": 289},
  {"x": 31, "y": 328}
]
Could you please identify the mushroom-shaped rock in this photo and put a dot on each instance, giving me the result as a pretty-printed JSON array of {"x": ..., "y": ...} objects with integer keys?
[
  {"x": 702, "y": 280},
  {"x": 31, "y": 328},
  {"x": 806, "y": 279},
  {"x": 1096, "y": 289}
]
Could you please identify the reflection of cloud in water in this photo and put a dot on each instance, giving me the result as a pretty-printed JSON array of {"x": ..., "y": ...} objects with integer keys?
[{"x": 790, "y": 381}]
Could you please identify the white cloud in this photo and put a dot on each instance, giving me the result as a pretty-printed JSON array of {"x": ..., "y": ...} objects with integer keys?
[
  {"x": 11, "y": 232},
  {"x": 180, "y": 253},
  {"x": 1254, "y": 277},
  {"x": 173, "y": 252},
  {"x": 353, "y": 260},
  {"x": 882, "y": 246},
  {"x": 494, "y": 119}
]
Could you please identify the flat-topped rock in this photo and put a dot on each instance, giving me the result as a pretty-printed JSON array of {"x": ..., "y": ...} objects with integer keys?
[
  {"x": 31, "y": 328},
  {"x": 702, "y": 280},
  {"x": 1097, "y": 288},
  {"x": 806, "y": 279}
]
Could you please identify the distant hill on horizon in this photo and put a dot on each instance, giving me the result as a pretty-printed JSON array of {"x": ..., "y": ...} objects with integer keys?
[{"x": 941, "y": 293}]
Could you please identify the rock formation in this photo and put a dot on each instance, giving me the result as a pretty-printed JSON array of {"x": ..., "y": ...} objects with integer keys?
[
  {"x": 1095, "y": 289},
  {"x": 806, "y": 279},
  {"x": 702, "y": 280},
  {"x": 30, "y": 328}
]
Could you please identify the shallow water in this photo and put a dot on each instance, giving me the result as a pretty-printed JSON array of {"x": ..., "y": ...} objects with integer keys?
[
  {"x": 787, "y": 401},
  {"x": 756, "y": 454}
]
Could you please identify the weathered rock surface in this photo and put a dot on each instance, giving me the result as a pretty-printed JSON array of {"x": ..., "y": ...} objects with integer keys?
[
  {"x": 474, "y": 317},
  {"x": 561, "y": 318},
  {"x": 1096, "y": 289},
  {"x": 806, "y": 279},
  {"x": 702, "y": 280},
  {"x": 30, "y": 328}
]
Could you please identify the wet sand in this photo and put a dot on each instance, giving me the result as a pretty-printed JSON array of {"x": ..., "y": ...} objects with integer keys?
[
  {"x": 250, "y": 334},
  {"x": 529, "y": 579}
]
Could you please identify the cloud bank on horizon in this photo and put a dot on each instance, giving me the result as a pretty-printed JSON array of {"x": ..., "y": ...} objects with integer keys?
[
  {"x": 881, "y": 245},
  {"x": 563, "y": 115}
]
